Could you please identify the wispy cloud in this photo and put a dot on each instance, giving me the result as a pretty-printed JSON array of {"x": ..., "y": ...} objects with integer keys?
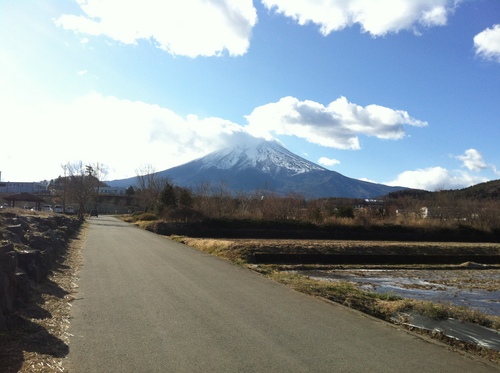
[
  {"x": 328, "y": 162},
  {"x": 375, "y": 17},
  {"x": 337, "y": 125},
  {"x": 487, "y": 43},
  {"x": 188, "y": 28},
  {"x": 472, "y": 160}
]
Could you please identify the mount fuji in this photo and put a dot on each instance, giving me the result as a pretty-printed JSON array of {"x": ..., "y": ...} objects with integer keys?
[{"x": 266, "y": 166}]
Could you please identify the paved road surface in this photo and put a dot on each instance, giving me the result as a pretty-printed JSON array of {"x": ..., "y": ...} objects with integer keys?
[{"x": 147, "y": 304}]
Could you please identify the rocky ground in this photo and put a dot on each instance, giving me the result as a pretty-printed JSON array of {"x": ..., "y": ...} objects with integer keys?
[{"x": 34, "y": 337}]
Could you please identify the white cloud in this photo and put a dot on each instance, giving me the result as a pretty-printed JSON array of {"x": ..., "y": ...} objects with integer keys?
[
  {"x": 121, "y": 134},
  {"x": 436, "y": 178},
  {"x": 487, "y": 43},
  {"x": 189, "y": 27},
  {"x": 472, "y": 160},
  {"x": 375, "y": 17},
  {"x": 328, "y": 162},
  {"x": 336, "y": 125},
  {"x": 124, "y": 134}
]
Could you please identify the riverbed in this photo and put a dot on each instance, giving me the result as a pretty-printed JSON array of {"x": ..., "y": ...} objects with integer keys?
[{"x": 477, "y": 289}]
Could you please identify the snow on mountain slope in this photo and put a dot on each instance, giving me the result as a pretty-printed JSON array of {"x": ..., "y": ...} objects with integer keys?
[
  {"x": 266, "y": 156},
  {"x": 266, "y": 165}
]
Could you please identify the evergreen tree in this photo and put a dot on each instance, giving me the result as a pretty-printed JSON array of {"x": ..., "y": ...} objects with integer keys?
[
  {"x": 167, "y": 197},
  {"x": 186, "y": 198}
]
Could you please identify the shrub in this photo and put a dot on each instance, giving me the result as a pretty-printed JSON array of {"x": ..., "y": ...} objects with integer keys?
[
  {"x": 182, "y": 214},
  {"x": 146, "y": 216}
]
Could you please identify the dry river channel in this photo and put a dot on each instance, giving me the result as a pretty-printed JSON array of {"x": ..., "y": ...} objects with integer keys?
[{"x": 476, "y": 289}]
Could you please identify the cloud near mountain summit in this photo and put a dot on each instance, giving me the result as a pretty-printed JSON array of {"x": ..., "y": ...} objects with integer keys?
[{"x": 337, "y": 125}]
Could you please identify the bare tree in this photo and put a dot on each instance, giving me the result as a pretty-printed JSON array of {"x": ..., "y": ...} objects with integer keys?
[
  {"x": 223, "y": 203},
  {"x": 203, "y": 201},
  {"x": 150, "y": 185},
  {"x": 244, "y": 201},
  {"x": 215, "y": 200},
  {"x": 83, "y": 183}
]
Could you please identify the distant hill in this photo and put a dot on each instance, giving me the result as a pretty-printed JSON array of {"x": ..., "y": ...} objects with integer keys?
[
  {"x": 489, "y": 190},
  {"x": 267, "y": 166}
]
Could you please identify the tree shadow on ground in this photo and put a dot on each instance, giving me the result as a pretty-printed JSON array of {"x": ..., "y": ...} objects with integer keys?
[{"x": 22, "y": 336}]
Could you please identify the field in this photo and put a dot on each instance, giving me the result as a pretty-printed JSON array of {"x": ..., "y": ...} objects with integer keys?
[{"x": 245, "y": 249}]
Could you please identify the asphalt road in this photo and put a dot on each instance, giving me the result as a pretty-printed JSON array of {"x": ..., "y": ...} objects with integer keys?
[{"x": 147, "y": 304}]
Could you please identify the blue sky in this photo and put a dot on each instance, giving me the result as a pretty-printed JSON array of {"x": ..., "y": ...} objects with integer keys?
[{"x": 400, "y": 92}]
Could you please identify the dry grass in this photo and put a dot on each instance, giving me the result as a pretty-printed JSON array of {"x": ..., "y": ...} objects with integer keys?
[
  {"x": 37, "y": 340},
  {"x": 246, "y": 246}
]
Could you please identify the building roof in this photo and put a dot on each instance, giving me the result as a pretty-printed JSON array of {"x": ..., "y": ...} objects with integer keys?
[{"x": 25, "y": 197}]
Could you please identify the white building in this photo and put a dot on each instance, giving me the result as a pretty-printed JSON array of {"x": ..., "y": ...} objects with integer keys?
[
  {"x": 114, "y": 191},
  {"x": 12, "y": 187}
]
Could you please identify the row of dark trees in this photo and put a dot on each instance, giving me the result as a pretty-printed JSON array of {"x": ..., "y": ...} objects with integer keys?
[
  {"x": 438, "y": 208},
  {"x": 160, "y": 196}
]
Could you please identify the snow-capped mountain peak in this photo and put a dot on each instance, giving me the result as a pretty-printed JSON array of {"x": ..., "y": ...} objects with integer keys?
[
  {"x": 258, "y": 165},
  {"x": 267, "y": 156}
]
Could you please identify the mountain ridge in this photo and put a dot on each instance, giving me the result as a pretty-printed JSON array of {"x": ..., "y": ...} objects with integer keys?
[{"x": 266, "y": 166}]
